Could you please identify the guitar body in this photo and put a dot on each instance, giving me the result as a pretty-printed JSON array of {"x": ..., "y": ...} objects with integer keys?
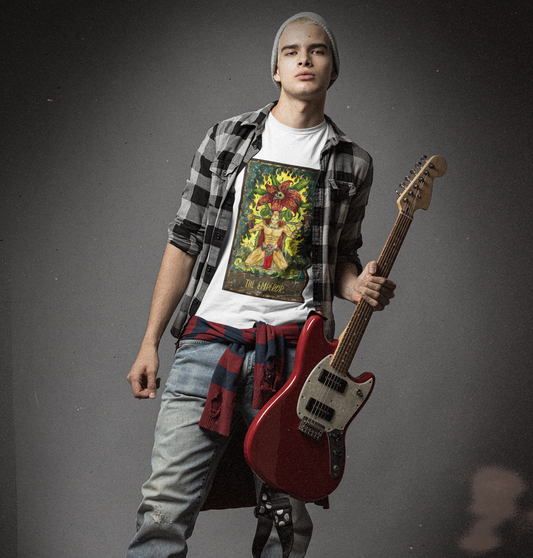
[{"x": 296, "y": 442}]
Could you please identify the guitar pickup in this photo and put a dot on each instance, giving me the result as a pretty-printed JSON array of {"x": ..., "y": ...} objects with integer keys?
[
  {"x": 332, "y": 381},
  {"x": 320, "y": 410}
]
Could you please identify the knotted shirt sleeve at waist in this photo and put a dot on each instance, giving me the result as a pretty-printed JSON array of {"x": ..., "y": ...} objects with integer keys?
[{"x": 269, "y": 341}]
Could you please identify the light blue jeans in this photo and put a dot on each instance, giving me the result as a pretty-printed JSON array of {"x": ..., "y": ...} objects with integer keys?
[{"x": 185, "y": 458}]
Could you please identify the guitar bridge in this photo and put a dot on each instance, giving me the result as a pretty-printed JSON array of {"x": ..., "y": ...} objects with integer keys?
[{"x": 312, "y": 428}]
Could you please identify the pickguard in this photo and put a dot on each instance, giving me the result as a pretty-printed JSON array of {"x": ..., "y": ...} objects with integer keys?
[{"x": 330, "y": 398}]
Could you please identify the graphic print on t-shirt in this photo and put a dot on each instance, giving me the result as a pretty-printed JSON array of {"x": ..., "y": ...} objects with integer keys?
[{"x": 272, "y": 247}]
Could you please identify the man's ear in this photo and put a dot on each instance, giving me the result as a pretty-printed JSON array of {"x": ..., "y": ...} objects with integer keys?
[{"x": 276, "y": 76}]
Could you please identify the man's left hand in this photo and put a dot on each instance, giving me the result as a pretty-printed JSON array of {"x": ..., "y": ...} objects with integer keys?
[{"x": 377, "y": 291}]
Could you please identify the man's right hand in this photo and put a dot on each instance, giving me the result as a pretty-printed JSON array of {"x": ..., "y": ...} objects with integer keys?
[
  {"x": 143, "y": 374},
  {"x": 172, "y": 280}
]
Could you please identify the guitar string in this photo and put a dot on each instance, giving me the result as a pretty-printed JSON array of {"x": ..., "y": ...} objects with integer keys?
[
  {"x": 388, "y": 257},
  {"x": 389, "y": 253},
  {"x": 386, "y": 261},
  {"x": 358, "y": 326}
]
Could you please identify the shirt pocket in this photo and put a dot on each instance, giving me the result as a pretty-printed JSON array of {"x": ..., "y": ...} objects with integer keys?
[
  {"x": 342, "y": 190},
  {"x": 221, "y": 172},
  {"x": 340, "y": 199}
]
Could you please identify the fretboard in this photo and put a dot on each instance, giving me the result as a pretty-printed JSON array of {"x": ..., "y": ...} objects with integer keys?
[{"x": 352, "y": 335}]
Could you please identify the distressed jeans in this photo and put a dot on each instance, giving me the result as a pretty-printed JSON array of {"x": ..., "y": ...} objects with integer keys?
[{"x": 185, "y": 458}]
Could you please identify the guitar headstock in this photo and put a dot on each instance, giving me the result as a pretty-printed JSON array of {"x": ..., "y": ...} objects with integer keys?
[{"x": 417, "y": 190}]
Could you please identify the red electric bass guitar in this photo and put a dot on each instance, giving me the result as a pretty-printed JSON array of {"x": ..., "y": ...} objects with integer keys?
[{"x": 296, "y": 442}]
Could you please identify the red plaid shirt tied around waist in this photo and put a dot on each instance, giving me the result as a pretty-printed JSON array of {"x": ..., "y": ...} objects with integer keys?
[{"x": 269, "y": 341}]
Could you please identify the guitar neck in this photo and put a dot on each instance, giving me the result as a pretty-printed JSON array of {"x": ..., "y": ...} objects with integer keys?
[{"x": 352, "y": 335}]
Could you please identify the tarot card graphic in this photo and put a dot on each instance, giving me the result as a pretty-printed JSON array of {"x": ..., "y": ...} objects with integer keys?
[{"x": 271, "y": 252}]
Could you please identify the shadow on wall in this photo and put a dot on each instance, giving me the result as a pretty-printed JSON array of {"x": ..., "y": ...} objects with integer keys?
[{"x": 503, "y": 513}]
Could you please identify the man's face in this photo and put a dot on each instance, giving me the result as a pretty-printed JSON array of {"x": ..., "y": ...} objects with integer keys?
[{"x": 305, "y": 61}]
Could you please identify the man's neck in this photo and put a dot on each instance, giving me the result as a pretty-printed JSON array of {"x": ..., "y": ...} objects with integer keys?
[{"x": 297, "y": 113}]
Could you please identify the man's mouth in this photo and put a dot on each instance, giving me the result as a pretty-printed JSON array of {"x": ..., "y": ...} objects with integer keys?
[{"x": 305, "y": 75}]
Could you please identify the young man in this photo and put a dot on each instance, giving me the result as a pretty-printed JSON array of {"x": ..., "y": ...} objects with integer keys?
[{"x": 268, "y": 231}]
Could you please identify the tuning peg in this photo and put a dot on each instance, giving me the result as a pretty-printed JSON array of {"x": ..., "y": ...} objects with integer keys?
[
  {"x": 407, "y": 179},
  {"x": 412, "y": 172}
]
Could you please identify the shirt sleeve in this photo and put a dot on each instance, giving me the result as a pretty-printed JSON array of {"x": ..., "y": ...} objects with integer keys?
[
  {"x": 351, "y": 238},
  {"x": 187, "y": 230}
]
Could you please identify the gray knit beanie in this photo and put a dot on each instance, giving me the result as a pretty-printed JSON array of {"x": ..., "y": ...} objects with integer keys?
[{"x": 319, "y": 21}]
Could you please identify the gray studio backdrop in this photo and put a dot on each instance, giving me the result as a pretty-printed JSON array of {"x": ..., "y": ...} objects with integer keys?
[{"x": 105, "y": 103}]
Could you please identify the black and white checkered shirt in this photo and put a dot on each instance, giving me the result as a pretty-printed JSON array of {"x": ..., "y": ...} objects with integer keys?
[{"x": 203, "y": 218}]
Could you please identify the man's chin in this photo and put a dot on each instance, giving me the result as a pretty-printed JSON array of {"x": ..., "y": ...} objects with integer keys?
[{"x": 305, "y": 91}]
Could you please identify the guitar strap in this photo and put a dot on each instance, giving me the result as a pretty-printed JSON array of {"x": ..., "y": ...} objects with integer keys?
[{"x": 273, "y": 508}]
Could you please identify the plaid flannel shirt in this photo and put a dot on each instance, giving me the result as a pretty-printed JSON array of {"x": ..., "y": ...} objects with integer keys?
[{"x": 203, "y": 218}]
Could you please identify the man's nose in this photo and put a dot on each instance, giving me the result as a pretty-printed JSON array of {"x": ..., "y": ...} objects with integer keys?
[{"x": 304, "y": 60}]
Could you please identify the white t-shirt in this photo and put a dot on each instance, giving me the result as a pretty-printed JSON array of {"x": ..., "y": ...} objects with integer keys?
[{"x": 264, "y": 272}]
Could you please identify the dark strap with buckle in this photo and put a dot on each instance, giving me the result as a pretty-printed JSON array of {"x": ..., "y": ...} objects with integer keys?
[{"x": 273, "y": 508}]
